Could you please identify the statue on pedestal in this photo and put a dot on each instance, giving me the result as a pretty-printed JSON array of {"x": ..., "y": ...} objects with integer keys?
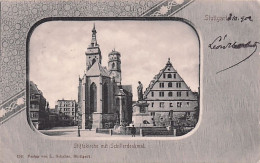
[{"x": 140, "y": 91}]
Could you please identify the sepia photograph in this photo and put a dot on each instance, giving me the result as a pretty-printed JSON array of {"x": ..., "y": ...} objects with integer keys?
[
  {"x": 114, "y": 78},
  {"x": 129, "y": 81}
]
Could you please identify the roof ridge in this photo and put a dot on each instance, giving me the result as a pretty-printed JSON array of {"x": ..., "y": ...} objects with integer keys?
[{"x": 155, "y": 79}]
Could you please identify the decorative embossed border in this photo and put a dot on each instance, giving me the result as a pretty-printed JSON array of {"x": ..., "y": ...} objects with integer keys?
[{"x": 19, "y": 18}]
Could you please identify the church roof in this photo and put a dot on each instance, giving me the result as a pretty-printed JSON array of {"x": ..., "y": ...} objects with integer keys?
[
  {"x": 128, "y": 88},
  {"x": 113, "y": 52},
  {"x": 97, "y": 70}
]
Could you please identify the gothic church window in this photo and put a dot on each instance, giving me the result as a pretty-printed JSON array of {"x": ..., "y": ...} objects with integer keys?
[
  {"x": 93, "y": 98},
  {"x": 105, "y": 98}
]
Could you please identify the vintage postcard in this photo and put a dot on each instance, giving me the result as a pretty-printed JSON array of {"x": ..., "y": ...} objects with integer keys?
[{"x": 130, "y": 81}]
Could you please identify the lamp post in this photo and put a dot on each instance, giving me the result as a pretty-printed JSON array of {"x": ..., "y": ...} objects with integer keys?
[
  {"x": 80, "y": 115},
  {"x": 78, "y": 124}
]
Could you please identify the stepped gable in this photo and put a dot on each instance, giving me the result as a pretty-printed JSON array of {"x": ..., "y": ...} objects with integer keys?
[
  {"x": 157, "y": 77},
  {"x": 152, "y": 83}
]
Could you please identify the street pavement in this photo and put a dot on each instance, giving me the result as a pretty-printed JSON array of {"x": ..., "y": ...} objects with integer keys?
[{"x": 72, "y": 131}]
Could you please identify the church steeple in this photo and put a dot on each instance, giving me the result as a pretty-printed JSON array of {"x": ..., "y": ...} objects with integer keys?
[
  {"x": 94, "y": 37},
  {"x": 93, "y": 53},
  {"x": 114, "y": 66}
]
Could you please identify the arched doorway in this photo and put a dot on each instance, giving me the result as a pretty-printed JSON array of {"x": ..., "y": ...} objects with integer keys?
[{"x": 105, "y": 98}]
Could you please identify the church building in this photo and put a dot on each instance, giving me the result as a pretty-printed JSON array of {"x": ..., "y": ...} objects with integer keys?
[{"x": 102, "y": 100}]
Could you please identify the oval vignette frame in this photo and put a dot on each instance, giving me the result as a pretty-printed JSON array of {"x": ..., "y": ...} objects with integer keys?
[{"x": 187, "y": 22}]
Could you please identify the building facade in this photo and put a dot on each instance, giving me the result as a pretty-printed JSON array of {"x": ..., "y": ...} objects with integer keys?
[
  {"x": 102, "y": 100},
  {"x": 67, "y": 109},
  {"x": 39, "y": 108},
  {"x": 169, "y": 98}
]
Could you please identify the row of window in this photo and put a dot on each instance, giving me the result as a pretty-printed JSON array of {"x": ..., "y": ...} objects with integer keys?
[
  {"x": 170, "y": 94},
  {"x": 170, "y": 114},
  {"x": 33, "y": 106},
  {"x": 178, "y": 104},
  {"x": 178, "y": 85},
  {"x": 169, "y": 76},
  {"x": 34, "y": 115},
  {"x": 69, "y": 113},
  {"x": 67, "y": 109},
  {"x": 67, "y": 105},
  {"x": 34, "y": 97}
]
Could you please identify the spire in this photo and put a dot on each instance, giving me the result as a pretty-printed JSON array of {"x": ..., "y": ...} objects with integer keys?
[
  {"x": 94, "y": 28},
  {"x": 94, "y": 37}
]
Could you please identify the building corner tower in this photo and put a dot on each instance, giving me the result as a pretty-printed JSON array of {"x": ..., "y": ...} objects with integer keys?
[{"x": 114, "y": 66}]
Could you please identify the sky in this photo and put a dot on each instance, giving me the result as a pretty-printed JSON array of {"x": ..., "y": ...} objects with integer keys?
[{"x": 57, "y": 53}]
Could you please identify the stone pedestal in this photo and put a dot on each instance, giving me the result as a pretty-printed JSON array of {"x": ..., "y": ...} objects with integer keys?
[{"x": 141, "y": 114}]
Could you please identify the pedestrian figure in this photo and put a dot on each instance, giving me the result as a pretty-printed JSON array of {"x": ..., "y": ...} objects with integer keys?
[{"x": 133, "y": 131}]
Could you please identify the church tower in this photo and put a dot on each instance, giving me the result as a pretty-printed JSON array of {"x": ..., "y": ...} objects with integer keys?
[
  {"x": 114, "y": 66},
  {"x": 93, "y": 53}
]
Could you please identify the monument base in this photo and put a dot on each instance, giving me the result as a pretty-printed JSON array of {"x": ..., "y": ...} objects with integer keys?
[{"x": 141, "y": 116}]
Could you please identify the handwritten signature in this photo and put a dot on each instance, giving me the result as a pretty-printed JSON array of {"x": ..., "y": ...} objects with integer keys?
[{"x": 218, "y": 44}]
